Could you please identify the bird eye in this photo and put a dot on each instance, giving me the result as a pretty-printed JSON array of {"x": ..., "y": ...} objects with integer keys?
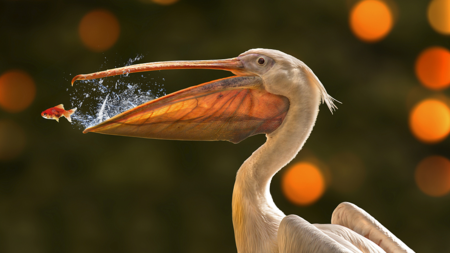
[{"x": 261, "y": 61}]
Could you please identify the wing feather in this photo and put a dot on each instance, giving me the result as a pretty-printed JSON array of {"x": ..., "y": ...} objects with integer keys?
[
  {"x": 339, "y": 233},
  {"x": 358, "y": 220},
  {"x": 296, "y": 235}
]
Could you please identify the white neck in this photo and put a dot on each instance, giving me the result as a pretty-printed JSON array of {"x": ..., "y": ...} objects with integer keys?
[{"x": 255, "y": 216}]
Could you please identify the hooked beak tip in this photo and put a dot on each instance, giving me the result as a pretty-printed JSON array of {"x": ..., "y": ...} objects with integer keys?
[{"x": 74, "y": 79}]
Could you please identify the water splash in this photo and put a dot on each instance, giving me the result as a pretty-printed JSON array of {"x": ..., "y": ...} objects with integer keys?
[
  {"x": 100, "y": 114},
  {"x": 102, "y": 100}
]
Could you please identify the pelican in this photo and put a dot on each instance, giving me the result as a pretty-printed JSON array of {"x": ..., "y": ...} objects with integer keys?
[{"x": 271, "y": 93}]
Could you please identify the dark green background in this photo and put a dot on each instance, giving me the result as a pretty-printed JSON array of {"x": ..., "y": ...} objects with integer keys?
[{"x": 69, "y": 192}]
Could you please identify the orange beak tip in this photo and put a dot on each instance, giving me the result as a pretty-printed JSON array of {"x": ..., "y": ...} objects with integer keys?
[{"x": 74, "y": 79}]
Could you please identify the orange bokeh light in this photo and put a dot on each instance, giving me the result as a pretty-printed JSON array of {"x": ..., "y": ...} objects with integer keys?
[
  {"x": 439, "y": 16},
  {"x": 12, "y": 140},
  {"x": 430, "y": 121},
  {"x": 99, "y": 30},
  {"x": 17, "y": 90},
  {"x": 433, "y": 68},
  {"x": 303, "y": 183},
  {"x": 371, "y": 20},
  {"x": 433, "y": 176}
]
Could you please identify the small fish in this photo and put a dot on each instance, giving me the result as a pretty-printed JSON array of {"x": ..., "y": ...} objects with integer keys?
[{"x": 56, "y": 112}]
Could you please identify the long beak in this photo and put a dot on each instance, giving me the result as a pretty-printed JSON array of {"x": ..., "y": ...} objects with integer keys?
[
  {"x": 234, "y": 65},
  {"x": 230, "y": 109}
]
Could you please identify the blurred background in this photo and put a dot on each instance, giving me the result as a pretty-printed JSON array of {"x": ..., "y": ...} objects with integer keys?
[{"x": 386, "y": 148}]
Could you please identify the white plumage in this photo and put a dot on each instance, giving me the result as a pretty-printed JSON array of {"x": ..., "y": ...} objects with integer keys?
[{"x": 260, "y": 227}]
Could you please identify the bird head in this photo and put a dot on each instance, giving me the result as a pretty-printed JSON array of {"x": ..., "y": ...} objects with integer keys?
[{"x": 283, "y": 74}]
